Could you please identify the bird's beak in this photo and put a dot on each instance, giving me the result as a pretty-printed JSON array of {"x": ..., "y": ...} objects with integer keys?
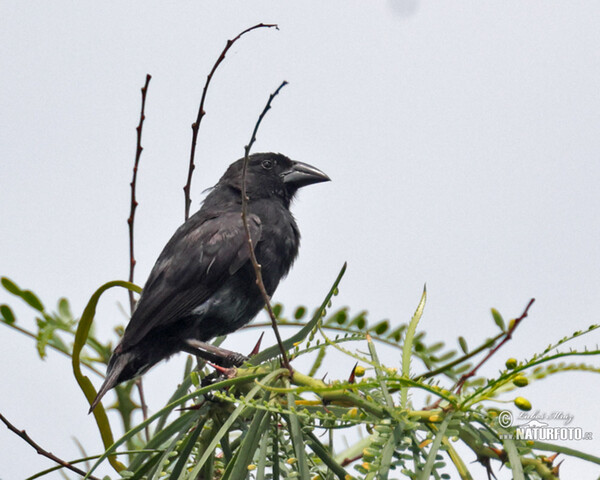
[{"x": 302, "y": 174}]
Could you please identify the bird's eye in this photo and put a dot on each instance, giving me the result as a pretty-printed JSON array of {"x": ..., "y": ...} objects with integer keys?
[{"x": 267, "y": 164}]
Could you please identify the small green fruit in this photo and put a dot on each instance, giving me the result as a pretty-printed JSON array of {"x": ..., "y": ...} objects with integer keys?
[
  {"x": 520, "y": 381},
  {"x": 511, "y": 363},
  {"x": 522, "y": 403}
]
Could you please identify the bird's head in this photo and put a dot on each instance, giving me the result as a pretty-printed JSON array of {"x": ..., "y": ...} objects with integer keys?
[{"x": 272, "y": 175}]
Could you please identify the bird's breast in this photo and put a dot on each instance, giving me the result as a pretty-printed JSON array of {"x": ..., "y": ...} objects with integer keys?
[{"x": 277, "y": 249}]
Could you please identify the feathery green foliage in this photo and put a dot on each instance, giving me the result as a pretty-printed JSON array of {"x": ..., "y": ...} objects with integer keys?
[{"x": 262, "y": 422}]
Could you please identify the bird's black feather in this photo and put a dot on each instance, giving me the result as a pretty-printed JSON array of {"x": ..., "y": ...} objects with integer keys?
[
  {"x": 203, "y": 284},
  {"x": 193, "y": 266}
]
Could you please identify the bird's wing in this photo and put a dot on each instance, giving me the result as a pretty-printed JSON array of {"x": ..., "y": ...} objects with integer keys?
[{"x": 195, "y": 263}]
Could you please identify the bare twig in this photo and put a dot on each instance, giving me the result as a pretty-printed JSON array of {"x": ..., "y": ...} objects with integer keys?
[
  {"x": 255, "y": 264},
  {"x": 348, "y": 461},
  {"x": 43, "y": 452},
  {"x": 130, "y": 220},
  {"x": 201, "y": 113},
  {"x": 134, "y": 203},
  {"x": 506, "y": 338},
  {"x": 444, "y": 368}
]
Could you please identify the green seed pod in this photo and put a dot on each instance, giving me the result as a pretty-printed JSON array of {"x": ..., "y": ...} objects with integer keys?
[
  {"x": 520, "y": 381},
  {"x": 522, "y": 403}
]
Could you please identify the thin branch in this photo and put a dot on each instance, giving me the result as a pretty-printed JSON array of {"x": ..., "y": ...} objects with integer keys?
[
  {"x": 255, "y": 264},
  {"x": 134, "y": 203},
  {"x": 506, "y": 338},
  {"x": 130, "y": 220},
  {"x": 43, "y": 452},
  {"x": 459, "y": 360},
  {"x": 143, "y": 405},
  {"x": 201, "y": 113},
  {"x": 348, "y": 461}
]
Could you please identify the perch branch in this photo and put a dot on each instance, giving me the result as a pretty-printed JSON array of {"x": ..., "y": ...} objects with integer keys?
[
  {"x": 255, "y": 264},
  {"x": 201, "y": 113}
]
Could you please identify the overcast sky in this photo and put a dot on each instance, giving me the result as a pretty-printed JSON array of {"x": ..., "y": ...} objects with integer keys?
[{"x": 462, "y": 139}]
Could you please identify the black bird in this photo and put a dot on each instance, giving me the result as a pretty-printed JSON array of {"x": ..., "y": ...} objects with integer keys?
[{"x": 203, "y": 284}]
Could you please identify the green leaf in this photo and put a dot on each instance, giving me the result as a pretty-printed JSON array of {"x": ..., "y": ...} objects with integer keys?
[
  {"x": 64, "y": 310},
  {"x": 318, "y": 361},
  {"x": 463, "y": 344},
  {"x": 275, "y": 454},
  {"x": 407, "y": 347},
  {"x": 385, "y": 461},
  {"x": 10, "y": 286},
  {"x": 297, "y": 439},
  {"x": 435, "y": 347},
  {"x": 57, "y": 343},
  {"x": 498, "y": 319},
  {"x": 209, "y": 450},
  {"x": 165, "y": 411},
  {"x": 44, "y": 336},
  {"x": 462, "y": 368},
  {"x": 176, "y": 429},
  {"x": 83, "y": 329},
  {"x": 187, "y": 445},
  {"x": 340, "y": 317},
  {"x": 300, "y": 312},
  {"x": 7, "y": 314},
  {"x": 319, "y": 449},
  {"x": 386, "y": 394},
  {"x": 513, "y": 458},
  {"x": 397, "y": 333},
  {"x": 431, "y": 457},
  {"x": 260, "y": 424},
  {"x": 381, "y": 327},
  {"x": 360, "y": 320},
  {"x": 32, "y": 300},
  {"x": 262, "y": 456},
  {"x": 446, "y": 356},
  {"x": 27, "y": 295}
]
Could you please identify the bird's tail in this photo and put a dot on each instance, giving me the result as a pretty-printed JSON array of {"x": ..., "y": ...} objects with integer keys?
[{"x": 116, "y": 365}]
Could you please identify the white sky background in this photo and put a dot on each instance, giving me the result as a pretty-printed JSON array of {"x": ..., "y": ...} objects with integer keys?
[{"x": 462, "y": 138}]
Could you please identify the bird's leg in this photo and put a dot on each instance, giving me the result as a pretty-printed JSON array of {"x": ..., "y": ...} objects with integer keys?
[{"x": 220, "y": 356}]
